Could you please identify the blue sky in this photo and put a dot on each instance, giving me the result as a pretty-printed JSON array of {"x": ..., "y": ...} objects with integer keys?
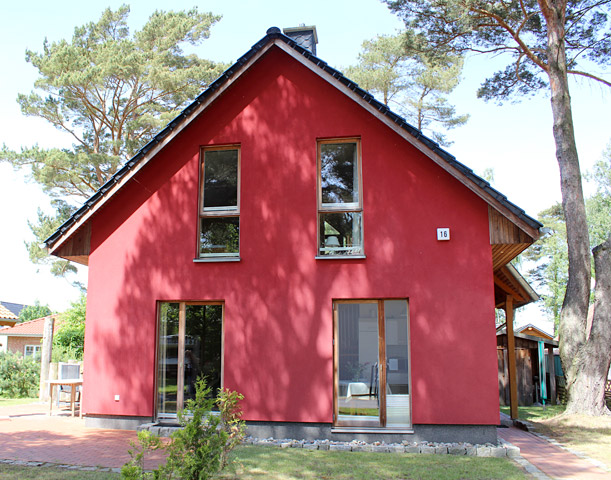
[{"x": 515, "y": 139}]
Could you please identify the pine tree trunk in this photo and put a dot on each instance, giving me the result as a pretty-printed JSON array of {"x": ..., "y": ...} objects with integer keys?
[
  {"x": 588, "y": 390},
  {"x": 573, "y": 317}
]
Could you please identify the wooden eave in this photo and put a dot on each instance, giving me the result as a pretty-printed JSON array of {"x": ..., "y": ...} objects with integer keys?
[
  {"x": 507, "y": 281},
  {"x": 511, "y": 230},
  {"x": 77, "y": 246}
]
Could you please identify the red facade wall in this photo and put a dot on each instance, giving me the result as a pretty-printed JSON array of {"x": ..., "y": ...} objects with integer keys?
[{"x": 278, "y": 297}]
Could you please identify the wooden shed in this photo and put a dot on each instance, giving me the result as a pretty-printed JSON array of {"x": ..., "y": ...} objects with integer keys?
[{"x": 527, "y": 339}]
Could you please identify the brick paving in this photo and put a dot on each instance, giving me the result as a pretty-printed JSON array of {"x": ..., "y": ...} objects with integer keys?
[
  {"x": 552, "y": 460},
  {"x": 28, "y": 433}
]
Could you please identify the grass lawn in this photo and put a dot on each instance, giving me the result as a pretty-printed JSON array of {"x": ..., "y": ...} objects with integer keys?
[
  {"x": 18, "y": 472},
  {"x": 256, "y": 462},
  {"x": 590, "y": 435},
  {"x": 534, "y": 414},
  {"x": 7, "y": 402},
  {"x": 259, "y": 462}
]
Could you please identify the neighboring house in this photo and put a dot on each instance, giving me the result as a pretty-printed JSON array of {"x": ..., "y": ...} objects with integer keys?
[
  {"x": 7, "y": 318},
  {"x": 291, "y": 238},
  {"x": 25, "y": 337},
  {"x": 14, "y": 308},
  {"x": 534, "y": 331}
]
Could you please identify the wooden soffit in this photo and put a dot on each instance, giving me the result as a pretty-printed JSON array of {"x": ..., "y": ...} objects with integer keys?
[
  {"x": 508, "y": 281},
  {"x": 507, "y": 239},
  {"x": 77, "y": 246}
]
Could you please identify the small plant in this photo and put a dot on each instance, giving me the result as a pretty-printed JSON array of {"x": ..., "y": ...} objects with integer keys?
[
  {"x": 19, "y": 376},
  {"x": 134, "y": 469},
  {"x": 200, "y": 449}
]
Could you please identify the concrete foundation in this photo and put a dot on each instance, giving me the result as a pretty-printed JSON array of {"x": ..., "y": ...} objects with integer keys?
[
  {"x": 476, "y": 434},
  {"x": 115, "y": 422}
]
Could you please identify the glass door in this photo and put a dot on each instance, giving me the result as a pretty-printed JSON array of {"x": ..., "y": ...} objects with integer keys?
[
  {"x": 371, "y": 353},
  {"x": 189, "y": 347}
]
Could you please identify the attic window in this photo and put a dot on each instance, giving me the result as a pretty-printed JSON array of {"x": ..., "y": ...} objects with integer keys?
[
  {"x": 219, "y": 223},
  {"x": 340, "y": 210}
]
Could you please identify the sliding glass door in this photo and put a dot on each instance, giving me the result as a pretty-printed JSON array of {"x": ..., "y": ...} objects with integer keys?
[
  {"x": 371, "y": 352},
  {"x": 189, "y": 347}
]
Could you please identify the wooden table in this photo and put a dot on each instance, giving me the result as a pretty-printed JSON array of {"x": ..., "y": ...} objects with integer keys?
[{"x": 74, "y": 383}]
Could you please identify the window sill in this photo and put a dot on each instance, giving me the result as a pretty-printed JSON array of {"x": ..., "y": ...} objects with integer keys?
[
  {"x": 340, "y": 257},
  {"x": 391, "y": 430},
  {"x": 216, "y": 259}
]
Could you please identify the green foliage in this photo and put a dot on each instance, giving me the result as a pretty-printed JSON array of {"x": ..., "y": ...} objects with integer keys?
[
  {"x": 395, "y": 68},
  {"x": 43, "y": 228},
  {"x": 112, "y": 92},
  {"x": 517, "y": 29},
  {"x": 551, "y": 252},
  {"x": 19, "y": 376},
  {"x": 134, "y": 469},
  {"x": 69, "y": 337},
  {"x": 32, "y": 312},
  {"x": 200, "y": 449},
  {"x": 599, "y": 205},
  {"x": 552, "y": 268}
]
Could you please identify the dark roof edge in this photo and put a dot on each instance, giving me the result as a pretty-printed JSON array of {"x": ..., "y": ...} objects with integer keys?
[{"x": 274, "y": 33}]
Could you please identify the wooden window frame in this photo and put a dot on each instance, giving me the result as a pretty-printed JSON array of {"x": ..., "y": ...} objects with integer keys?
[
  {"x": 182, "y": 316},
  {"x": 355, "y": 207},
  {"x": 337, "y": 424},
  {"x": 217, "y": 212}
]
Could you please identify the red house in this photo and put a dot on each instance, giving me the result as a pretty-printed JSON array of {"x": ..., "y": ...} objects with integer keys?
[{"x": 291, "y": 238}]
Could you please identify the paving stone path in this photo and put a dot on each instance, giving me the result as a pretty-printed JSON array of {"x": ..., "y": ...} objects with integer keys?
[{"x": 28, "y": 436}]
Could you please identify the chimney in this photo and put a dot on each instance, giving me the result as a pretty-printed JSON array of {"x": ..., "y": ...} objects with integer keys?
[{"x": 304, "y": 36}]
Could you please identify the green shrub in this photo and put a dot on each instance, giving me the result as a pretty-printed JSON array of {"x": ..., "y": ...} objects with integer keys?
[
  {"x": 200, "y": 449},
  {"x": 134, "y": 469},
  {"x": 69, "y": 337},
  {"x": 19, "y": 376}
]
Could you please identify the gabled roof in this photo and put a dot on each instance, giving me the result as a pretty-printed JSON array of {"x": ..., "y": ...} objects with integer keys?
[
  {"x": 533, "y": 330},
  {"x": 13, "y": 307},
  {"x": 31, "y": 328},
  {"x": 274, "y": 38},
  {"x": 526, "y": 334},
  {"x": 7, "y": 317}
]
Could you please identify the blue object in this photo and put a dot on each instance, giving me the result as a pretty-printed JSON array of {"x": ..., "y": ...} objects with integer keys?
[{"x": 542, "y": 372}]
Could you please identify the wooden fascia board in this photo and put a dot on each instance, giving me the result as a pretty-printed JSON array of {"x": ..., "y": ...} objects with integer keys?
[
  {"x": 517, "y": 285},
  {"x": 515, "y": 293},
  {"x": 534, "y": 233},
  {"x": 157, "y": 148}
]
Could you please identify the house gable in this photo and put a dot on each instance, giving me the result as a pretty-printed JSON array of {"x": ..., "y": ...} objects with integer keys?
[{"x": 72, "y": 240}]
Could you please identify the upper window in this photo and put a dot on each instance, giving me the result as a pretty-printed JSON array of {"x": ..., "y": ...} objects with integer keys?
[
  {"x": 219, "y": 223},
  {"x": 340, "y": 203}
]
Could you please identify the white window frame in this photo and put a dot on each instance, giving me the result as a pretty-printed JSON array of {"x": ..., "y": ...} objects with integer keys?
[{"x": 37, "y": 349}]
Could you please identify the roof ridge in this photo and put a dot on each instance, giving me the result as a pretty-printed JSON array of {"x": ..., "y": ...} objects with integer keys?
[{"x": 274, "y": 33}]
